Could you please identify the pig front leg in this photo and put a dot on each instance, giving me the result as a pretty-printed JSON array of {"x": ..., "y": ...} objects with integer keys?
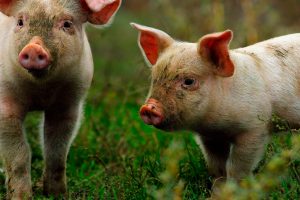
[
  {"x": 246, "y": 152},
  {"x": 216, "y": 152},
  {"x": 60, "y": 126},
  {"x": 15, "y": 152}
]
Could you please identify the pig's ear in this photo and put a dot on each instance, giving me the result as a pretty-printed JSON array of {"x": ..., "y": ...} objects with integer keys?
[
  {"x": 100, "y": 12},
  {"x": 152, "y": 42},
  {"x": 214, "y": 48},
  {"x": 6, "y": 6}
]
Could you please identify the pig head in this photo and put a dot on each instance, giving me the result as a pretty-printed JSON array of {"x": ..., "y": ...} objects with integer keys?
[
  {"x": 46, "y": 65},
  {"x": 180, "y": 86},
  {"x": 42, "y": 35}
]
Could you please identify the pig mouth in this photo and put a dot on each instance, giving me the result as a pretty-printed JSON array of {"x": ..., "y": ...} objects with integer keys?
[
  {"x": 167, "y": 125},
  {"x": 38, "y": 73}
]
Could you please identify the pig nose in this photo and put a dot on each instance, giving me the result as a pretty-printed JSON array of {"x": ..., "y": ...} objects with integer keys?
[
  {"x": 34, "y": 57},
  {"x": 151, "y": 112}
]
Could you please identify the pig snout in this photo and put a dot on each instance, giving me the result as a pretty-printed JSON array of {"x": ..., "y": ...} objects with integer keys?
[
  {"x": 34, "y": 56},
  {"x": 152, "y": 112}
]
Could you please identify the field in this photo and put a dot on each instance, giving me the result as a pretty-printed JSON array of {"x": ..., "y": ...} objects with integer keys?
[{"x": 115, "y": 155}]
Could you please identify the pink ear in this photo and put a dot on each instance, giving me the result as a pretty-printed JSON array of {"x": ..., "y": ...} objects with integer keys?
[
  {"x": 100, "y": 11},
  {"x": 214, "y": 48},
  {"x": 149, "y": 44},
  {"x": 152, "y": 42},
  {"x": 6, "y": 6}
]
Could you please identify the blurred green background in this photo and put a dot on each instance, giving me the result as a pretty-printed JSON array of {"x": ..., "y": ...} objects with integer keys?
[{"x": 115, "y": 155}]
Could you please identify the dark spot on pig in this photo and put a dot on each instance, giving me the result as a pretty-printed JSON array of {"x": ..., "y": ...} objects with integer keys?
[
  {"x": 256, "y": 59},
  {"x": 165, "y": 86},
  {"x": 281, "y": 53},
  {"x": 254, "y": 56},
  {"x": 197, "y": 103},
  {"x": 183, "y": 50},
  {"x": 180, "y": 94},
  {"x": 171, "y": 57},
  {"x": 164, "y": 71},
  {"x": 283, "y": 64},
  {"x": 278, "y": 51},
  {"x": 175, "y": 78}
]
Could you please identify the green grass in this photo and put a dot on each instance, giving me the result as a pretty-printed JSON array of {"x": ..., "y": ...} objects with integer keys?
[{"x": 117, "y": 156}]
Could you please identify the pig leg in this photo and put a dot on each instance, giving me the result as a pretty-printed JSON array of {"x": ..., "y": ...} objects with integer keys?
[
  {"x": 246, "y": 152},
  {"x": 291, "y": 113},
  {"x": 215, "y": 153},
  {"x": 60, "y": 126},
  {"x": 15, "y": 152}
]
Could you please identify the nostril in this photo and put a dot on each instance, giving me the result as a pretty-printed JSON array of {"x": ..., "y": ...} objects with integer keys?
[
  {"x": 156, "y": 118},
  {"x": 41, "y": 57},
  {"x": 146, "y": 116},
  {"x": 25, "y": 56}
]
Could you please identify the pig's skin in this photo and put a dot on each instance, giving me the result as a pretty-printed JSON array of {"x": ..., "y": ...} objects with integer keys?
[
  {"x": 60, "y": 94},
  {"x": 231, "y": 114}
]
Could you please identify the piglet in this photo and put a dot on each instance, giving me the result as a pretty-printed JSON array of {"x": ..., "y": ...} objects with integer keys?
[
  {"x": 225, "y": 96},
  {"x": 45, "y": 65}
]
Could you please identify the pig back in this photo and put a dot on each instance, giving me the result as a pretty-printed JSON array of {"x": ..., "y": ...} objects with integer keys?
[{"x": 277, "y": 61}]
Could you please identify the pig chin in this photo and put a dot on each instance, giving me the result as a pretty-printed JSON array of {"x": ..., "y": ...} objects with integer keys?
[{"x": 164, "y": 127}]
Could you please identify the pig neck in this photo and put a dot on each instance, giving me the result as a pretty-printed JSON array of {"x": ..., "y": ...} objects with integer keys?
[
  {"x": 219, "y": 108},
  {"x": 235, "y": 100}
]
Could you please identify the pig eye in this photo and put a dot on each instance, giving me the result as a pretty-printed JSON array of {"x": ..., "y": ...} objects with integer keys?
[
  {"x": 189, "y": 81},
  {"x": 189, "y": 84},
  {"x": 67, "y": 24},
  {"x": 20, "y": 23}
]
